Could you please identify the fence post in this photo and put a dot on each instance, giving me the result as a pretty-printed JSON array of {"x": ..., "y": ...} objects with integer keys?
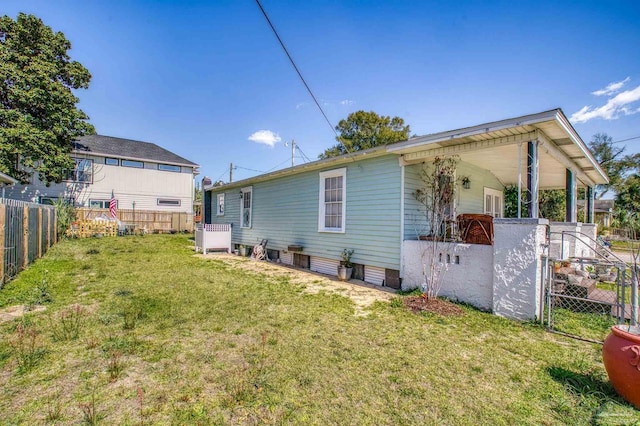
[
  {"x": 39, "y": 239},
  {"x": 55, "y": 225},
  {"x": 3, "y": 223},
  {"x": 25, "y": 238}
]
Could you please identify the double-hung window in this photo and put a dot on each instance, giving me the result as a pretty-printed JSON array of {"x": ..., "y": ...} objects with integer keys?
[
  {"x": 332, "y": 205},
  {"x": 82, "y": 172},
  {"x": 220, "y": 205},
  {"x": 246, "y": 202}
]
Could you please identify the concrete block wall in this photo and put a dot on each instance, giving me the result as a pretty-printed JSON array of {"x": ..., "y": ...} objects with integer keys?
[
  {"x": 468, "y": 270},
  {"x": 517, "y": 259}
]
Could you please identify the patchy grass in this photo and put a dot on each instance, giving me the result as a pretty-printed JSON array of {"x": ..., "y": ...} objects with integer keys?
[{"x": 166, "y": 337}]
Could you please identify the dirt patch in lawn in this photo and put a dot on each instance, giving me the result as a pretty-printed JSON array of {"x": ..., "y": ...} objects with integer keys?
[
  {"x": 362, "y": 294},
  {"x": 12, "y": 312},
  {"x": 419, "y": 304}
]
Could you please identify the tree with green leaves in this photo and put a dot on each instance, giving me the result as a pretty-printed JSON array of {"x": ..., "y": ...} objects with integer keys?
[
  {"x": 363, "y": 130},
  {"x": 38, "y": 118},
  {"x": 611, "y": 159}
]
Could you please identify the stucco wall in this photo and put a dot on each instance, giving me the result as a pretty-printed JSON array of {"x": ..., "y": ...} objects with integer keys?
[
  {"x": 517, "y": 250},
  {"x": 469, "y": 281}
]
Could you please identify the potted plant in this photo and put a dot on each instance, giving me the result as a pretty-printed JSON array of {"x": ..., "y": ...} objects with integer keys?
[{"x": 345, "y": 268}]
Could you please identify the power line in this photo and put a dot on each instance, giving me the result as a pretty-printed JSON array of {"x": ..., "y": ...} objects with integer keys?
[
  {"x": 245, "y": 168},
  {"x": 299, "y": 73},
  {"x": 278, "y": 165},
  {"x": 304, "y": 156},
  {"x": 628, "y": 139}
]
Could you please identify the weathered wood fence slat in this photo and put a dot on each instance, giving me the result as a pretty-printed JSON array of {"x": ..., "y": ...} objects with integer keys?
[
  {"x": 149, "y": 220},
  {"x": 27, "y": 231}
]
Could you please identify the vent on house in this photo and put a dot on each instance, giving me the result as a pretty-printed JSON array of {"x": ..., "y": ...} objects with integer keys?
[{"x": 168, "y": 202}]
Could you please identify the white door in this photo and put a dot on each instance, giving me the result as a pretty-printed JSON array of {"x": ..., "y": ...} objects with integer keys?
[{"x": 493, "y": 202}]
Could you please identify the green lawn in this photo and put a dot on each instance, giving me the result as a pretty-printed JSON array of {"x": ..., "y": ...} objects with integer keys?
[{"x": 166, "y": 337}]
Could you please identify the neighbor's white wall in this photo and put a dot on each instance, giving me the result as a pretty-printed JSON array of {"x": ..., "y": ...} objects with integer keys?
[
  {"x": 144, "y": 186},
  {"x": 471, "y": 281},
  {"x": 517, "y": 252}
]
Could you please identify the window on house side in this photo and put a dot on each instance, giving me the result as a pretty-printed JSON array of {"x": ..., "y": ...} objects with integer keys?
[
  {"x": 220, "y": 205},
  {"x": 131, "y": 163},
  {"x": 100, "y": 204},
  {"x": 168, "y": 168},
  {"x": 246, "y": 204},
  {"x": 332, "y": 201},
  {"x": 111, "y": 161},
  {"x": 82, "y": 172}
]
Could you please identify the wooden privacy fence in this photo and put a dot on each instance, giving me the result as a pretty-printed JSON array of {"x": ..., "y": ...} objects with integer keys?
[
  {"x": 144, "y": 219},
  {"x": 27, "y": 230}
]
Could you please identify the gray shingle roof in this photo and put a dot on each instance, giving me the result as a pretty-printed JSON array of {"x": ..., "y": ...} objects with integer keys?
[{"x": 127, "y": 148}]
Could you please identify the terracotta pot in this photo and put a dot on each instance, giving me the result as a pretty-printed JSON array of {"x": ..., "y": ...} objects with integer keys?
[{"x": 621, "y": 356}]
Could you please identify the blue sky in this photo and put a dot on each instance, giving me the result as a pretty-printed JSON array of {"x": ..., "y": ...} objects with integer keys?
[{"x": 209, "y": 81}]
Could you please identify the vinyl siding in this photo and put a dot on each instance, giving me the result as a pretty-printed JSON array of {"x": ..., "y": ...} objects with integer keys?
[
  {"x": 129, "y": 184},
  {"x": 285, "y": 211},
  {"x": 467, "y": 200}
]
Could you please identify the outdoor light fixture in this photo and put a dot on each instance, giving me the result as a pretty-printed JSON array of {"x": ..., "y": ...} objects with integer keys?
[{"x": 466, "y": 182}]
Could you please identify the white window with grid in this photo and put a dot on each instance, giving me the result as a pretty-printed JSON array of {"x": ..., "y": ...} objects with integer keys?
[
  {"x": 246, "y": 203},
  {"x": 220, "y": 205},
  {"x": 332, "y": 201}
]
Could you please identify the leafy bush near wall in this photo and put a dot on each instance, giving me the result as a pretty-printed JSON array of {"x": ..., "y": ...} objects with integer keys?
[{"x": 66, "y": 214}]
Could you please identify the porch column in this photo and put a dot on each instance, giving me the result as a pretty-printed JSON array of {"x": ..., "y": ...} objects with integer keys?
[
  {"x": 590, "y": 205},
  {"x": 532, "y": 179},
  {"x": 571, "y": 200}
]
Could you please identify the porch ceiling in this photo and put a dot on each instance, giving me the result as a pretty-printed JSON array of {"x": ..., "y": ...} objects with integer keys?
[{"x": 498, "y": 146}]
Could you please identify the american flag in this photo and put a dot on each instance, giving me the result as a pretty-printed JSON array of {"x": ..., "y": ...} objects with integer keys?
[{"x": 112, "y": 205}]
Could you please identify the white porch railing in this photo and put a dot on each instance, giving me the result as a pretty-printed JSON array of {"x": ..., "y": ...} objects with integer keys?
[{"x": 213, "y": 236}]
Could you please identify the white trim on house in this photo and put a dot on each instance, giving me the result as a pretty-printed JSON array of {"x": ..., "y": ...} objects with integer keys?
[
  {"x": 402, "y": 202},
  {"x": 322, "y": 201},
  {"x": 246, "y": 213}
]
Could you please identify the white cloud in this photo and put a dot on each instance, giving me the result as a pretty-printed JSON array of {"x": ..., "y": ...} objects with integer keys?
[
  {"x": 617, "y": 106},
  {"x": 301, "y": 105},
  {"x": 266, "y": 137},
  {"x": 347, "y": 102},
  {"x": 611, "y": 88}
]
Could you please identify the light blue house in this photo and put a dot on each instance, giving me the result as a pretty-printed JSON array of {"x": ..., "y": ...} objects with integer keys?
[{"x": 364, "y": 201}]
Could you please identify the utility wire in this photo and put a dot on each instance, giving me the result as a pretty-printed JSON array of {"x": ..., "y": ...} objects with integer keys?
[
  {"x": 304, "y": 156},
  {"x": 278, "y": 165},
  {"x": 628, "y": 139},
  {"x": 300, "y": 74},
  {"x": 245, "y": 168}
]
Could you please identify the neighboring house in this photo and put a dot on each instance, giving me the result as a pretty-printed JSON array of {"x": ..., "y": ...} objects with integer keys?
[
  {"x": 364, "y": 201},
  {"x": 141, "y": 172},
  {"x": 6, "y": 180},
  {"x": 603, "y": 210}
]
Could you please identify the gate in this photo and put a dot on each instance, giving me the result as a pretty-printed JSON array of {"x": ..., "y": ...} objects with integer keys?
[{"x": 584, "y": 297}]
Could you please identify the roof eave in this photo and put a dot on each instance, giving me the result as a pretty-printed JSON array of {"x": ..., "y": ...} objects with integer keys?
[
  {"x": 315, "y": 165},
  {"x": 131, "y": 157}
]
